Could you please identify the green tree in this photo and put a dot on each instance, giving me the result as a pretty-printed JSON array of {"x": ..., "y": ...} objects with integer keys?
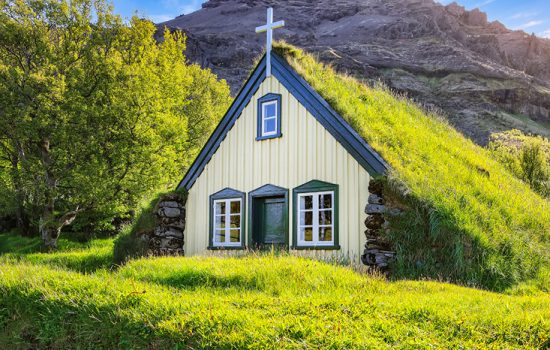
[{"x": 95, "y": 114}]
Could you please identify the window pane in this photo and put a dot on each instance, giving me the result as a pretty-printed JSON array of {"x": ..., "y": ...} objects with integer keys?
[
  {"x": 306, "y": 234},
  {"x": 235, "y": 236},
  {"x": 306, "y": 218},
  {"x": 235, "y": 221},
  {"x": 270, "y": 125},
  {"x": 219, "y": 236},
  {"x": 325, "y": 217},
  {"x": 235, "y": 207},
  {"x": 306, "y": 202},
  {"x": 325, "y": 234},
  {"x": 219, "y": 222},
  {"x": 220, "y": 208},
  {"x": 325, "y": 201},
  {"x": 269, "y": 110}
]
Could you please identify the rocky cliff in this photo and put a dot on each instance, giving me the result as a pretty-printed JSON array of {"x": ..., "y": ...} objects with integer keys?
[{"x": 483, "y": 76}]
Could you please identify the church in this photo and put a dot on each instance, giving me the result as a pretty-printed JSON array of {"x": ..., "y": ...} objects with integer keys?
[{"x": 281, "y": 170}]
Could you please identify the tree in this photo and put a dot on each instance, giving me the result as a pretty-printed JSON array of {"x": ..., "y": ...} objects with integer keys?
[{"x": 94, "y": 113}]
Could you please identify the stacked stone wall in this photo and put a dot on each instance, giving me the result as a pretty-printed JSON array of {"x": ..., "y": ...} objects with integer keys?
[
  {"x": 378, "y": 251},
  {"x": 168, "y": 236}
]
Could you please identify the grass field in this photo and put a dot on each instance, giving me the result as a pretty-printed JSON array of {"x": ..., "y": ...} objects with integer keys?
[{"x": 72, "y": 299}]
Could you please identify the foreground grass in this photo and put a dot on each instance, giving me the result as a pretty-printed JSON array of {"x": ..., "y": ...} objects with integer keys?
[
  {"x": 72, "y": 299},
  {"x": 471, "y": 220},
  {"x": 254, "y": 302}
]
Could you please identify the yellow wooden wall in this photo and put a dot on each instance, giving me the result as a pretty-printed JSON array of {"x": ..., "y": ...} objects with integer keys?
[{"x": 306, "y": 151}]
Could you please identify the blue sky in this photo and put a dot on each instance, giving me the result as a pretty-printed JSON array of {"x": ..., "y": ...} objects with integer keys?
[{"x": 533, "y": 16}]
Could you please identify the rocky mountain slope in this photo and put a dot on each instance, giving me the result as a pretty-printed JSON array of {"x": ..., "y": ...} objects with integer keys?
[{"x": 483, "y": 76}]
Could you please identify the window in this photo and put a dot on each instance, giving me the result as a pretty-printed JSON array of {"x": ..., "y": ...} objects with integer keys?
[
  {"x": 316, "y": 216},
  {"x": 269, "y": 117},
  {"x": 227, "y": 220}
]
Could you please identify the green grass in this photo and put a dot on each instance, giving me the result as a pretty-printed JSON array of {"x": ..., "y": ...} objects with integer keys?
[
  {"x": 470, "y": 221},
  {"x": 78, "y": 256},
  {"x": 263, "y": 302},
  {"x": 72, "y": 299}
]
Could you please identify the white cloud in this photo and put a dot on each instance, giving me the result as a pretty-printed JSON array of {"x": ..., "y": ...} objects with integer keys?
[
  {"x": 545, "y": 34},
  {"x": 523, "y": 15},
  {"x": 529, "y": 24},
  {"x": 481, "y": 4},
  {"x": 160, "y": 18}
]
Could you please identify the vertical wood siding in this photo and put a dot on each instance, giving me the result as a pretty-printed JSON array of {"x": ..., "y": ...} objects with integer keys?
[{"x": 305, "y": 152}]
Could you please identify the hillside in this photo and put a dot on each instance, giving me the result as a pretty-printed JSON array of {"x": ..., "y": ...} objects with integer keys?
[
  {"x": 48, "y": 302},
  {"x": 470, "y": 220},
  {"x": 486, "y": 77}
]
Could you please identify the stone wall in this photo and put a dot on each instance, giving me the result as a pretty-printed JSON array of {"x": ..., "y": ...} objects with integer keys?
[
  {"x": 167, "y": 237},
  {"x": 378, "y": 252}
]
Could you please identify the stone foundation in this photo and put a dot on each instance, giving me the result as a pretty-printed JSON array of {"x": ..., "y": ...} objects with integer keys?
[
  {"x": 167, "y": 237},
  {"x": 378, "y": 252}
]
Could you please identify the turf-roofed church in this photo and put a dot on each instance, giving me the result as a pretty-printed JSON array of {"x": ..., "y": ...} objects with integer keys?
[{"x": 281, "y": 169}]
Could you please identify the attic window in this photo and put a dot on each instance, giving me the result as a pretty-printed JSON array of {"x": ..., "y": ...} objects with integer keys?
[{"x": 269, "y": 117}]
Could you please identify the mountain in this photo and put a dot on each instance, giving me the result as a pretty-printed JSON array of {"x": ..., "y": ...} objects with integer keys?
[{"x": 483, "y": 77}]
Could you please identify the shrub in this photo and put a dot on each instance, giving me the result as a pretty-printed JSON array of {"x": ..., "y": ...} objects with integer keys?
[{"x": 527, "y": 157}]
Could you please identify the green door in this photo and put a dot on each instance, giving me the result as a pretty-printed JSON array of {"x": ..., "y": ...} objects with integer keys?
[{"x": 273, "y": 225}]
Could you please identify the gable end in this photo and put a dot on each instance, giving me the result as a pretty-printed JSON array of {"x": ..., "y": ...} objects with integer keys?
[{"x": 309, "y": 98}]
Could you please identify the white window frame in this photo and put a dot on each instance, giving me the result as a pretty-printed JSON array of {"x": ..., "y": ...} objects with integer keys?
[
  {"x": 227, "y": 229},
  {"x": 264, "y": 118},
  {"x": 315, "y": 242}
]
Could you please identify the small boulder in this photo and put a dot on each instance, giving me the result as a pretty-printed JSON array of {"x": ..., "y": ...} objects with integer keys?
[
  {"x": 374, "y": 209},
  {"x": 374, "y": 221},
  {"x": 168, "y": 232},
  {"x": 169, "y": 204},
  {"x": 375, "y": 199},
  {"x": 170, "y": 212}
]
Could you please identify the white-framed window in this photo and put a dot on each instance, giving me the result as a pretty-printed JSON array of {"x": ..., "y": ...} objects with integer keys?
[
  {"x": 269, "y": 118},
  {"x": 227, "y": 222},
  {"x": 315, "y": 219}
]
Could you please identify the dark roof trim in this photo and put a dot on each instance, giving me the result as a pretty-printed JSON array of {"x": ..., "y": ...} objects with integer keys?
[{"x": 310, "y": 99}]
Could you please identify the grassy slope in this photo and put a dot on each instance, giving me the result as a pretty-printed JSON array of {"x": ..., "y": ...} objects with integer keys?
[
  {"x": 473, "y": 221},
  {"x": 251, "y": 302}
]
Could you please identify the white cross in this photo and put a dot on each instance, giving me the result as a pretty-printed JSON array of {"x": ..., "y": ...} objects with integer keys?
[{"x": 269, "y": 29}]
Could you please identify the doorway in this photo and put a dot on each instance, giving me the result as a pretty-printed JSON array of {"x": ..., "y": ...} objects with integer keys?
[{"x": 269, "y": 218}]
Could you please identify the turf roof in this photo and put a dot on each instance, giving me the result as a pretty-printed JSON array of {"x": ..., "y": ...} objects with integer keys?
[{"x": 480, "y": 224}]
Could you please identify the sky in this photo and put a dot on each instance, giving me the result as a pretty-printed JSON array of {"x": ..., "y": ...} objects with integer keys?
[{"x": 533, "y": 16}]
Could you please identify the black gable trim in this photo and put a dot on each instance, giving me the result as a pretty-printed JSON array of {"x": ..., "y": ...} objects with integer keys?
[{"x": 310, "y": 99}]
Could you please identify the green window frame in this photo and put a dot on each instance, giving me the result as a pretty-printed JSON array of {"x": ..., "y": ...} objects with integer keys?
[
  {"x": 315, "y": 214},
  {"x": 225, "y": 221}
]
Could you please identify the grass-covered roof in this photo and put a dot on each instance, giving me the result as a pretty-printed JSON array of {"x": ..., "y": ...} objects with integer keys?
[{"x": 471, "y": 220}]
